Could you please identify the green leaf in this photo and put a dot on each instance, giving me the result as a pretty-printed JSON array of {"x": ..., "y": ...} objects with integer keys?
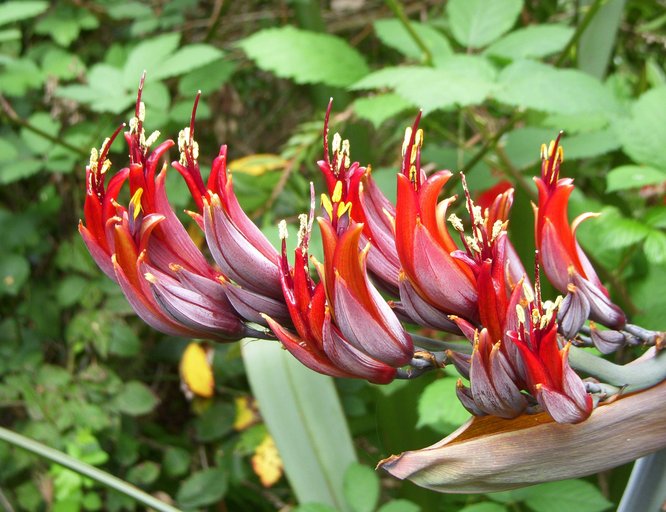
[
  {"x": 62, "y": 64},
  {"x": 10, "y": 34},
  {"x": 380, "y": 107},
  {"x": 392, "y": 33},
  {"x": 303, "y": 414},
  {"x": 215, "y": 422},
  {"x": 618, "y": 232},
  {"x": 644, "y": 133},
  {"x": 361, "y": 487},
  {"x": 19, "y": 76},
  {"x": 569, "y": 495},
  {"x": 545, "y": 88},
  {"x": 203, "y": 488},
  {"x": 70, "y": 290},
  {"x": 123, "y": 340},
  {"x": 148, "y": 56},
  {"x": 476, "y": 23},
  {"x": 143, "y": 474},
  {"x": 21, "y": 10},
  {"x": 588, "y": 145},
  {"x": 633, "y": 176},
  {"x": 648, "y": 294},
  {"x": 176, "y": 461},
  {"x": 597, "y": 43},
  {"x": 439, "y": 407},
  {"x": 459, "y": 80},
  {"x": 14, "y": 272},
  {"x": 207, "y": 79},
  {"x": 535, "y": 41},
  {"x": 655, "y": 247},
  {"x": 400, "y": 506},
  {"x": 656, "y": 217},
  {"x": 314, "y": 507},
  {"x": 186, "y": 59},
  {"x": 136, "y": 399},
  {"x": 487, "y": 506},
  {"x": 305, "y": 57},
  {"x": 37, "y": 144}
]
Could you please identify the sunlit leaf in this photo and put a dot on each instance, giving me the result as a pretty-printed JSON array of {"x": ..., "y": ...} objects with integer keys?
[
  {"x": 633, "y": 176},
  {"x": 476, "y": 23}
]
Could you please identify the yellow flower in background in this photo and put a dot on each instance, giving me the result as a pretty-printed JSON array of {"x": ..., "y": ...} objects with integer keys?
[
  {"x": 196, "y": 371},
  {"x": 267, "y": 463}
]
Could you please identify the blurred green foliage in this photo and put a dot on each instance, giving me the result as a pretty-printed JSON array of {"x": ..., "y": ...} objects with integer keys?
[{"x": 495, "y": 79}]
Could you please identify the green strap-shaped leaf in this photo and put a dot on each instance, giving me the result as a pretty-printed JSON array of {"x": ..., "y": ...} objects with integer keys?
[{"x": 303, "y": 414}]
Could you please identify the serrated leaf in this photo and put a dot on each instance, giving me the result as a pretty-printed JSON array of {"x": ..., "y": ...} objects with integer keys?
[
  {"x": 186, "y": 59},
  {"x": 148, "y": 56},
  {"x": 19, "y": 169},
  {"x": 215, "y": 422},
  {"x": 361, "y": 487},
  {"x": 655, "y": 247},
  {"x": 591, "y": 144},
  {"x": 136, "y": 399},
  {"x": 392, "y": 33},
  {"x": 617, "y": 231},
  {"x": 305, "y": 57},
  {"x": 62, "y": 64},
  {"x": 20, "y": 10},
  {"x": 19, "y": 76},
  {"x": 37, "y": 144},
  {"x": 569, "y": 495},
  {"x": 11, "y": 34},
  {"x": 203, "y": 488},
  {"x": 476, "y": 23},
  {"x": 458, "y": 80},
  {"x": 14, "y": 272},
  {"x": 439, "y": 407},
  {"x": 656, "y": 217},
  {"x": 380, "y": 107},
  {"x": 535, "y": 41},
  {"x": 176, "y": 461},
  {"x": 542, "y": 87},
  {"x": 144, "y": 473},
  {"x": 633, "y": 176},
  {"x": 207, "y": 79},
  {"x": 644, "y": 133}
]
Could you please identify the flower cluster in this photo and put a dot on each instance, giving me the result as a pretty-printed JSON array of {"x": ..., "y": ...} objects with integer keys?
[{"x": 336, "y": 320}]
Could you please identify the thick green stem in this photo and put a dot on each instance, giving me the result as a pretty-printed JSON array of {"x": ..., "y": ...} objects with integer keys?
[
  {"x": 399, "y": 13},
  {"x": 84, "y": 469},
  {"x": 640, "y": 374}
]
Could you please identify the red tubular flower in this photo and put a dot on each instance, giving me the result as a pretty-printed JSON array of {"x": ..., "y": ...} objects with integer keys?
[
  {"x": 563, "y": 260},
  {"x": 344, "y": 327},
  {"x": 549, "y": 378},
  {"x": 433, "y": 283},
  {"x": 147, "y": 250}
]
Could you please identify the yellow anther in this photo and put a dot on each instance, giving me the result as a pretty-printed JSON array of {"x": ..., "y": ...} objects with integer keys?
[
  {"x": 412, "y": 173},
  {"x": 544, "y": 152},
  {"x": 560, "y": 154},
  {"x": 328, "y": 207},
  {"x": 456, "y": 222},
  {"x": 150, "y": 278},
  {"x": 520, "y": 313},
  {"x": 135, "y": 203},
  {"x": 105, "y": 166},
  {"x": 105, "y": 145},
  {"x": 345, "y": 148},
  {"x": 498, "y": 227},
  {"x": 551, "y": 148},
  {"x": 527, "y": 292},
  {"x": 152, "y": 138},
  {"x": 536, "y": 317},
  {"x": 94, "y": 157},
  {"x": 282, "y": 229},
  {"x": 337, "y": 192},
  {"x": 414, "y": 153},
  {"x": 344, "y": 208},
  {"x": 303, "y": 229},
  {"x": 405, "y": 142},
  {"x": 419, "y": 137},
  {"x": 142, "y": 111},
  {"x": 337, "y": 140},
  {"x": 473, "y": 244}
]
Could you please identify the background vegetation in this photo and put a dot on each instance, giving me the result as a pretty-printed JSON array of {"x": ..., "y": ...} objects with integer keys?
[{"x": 495, "y": 79}]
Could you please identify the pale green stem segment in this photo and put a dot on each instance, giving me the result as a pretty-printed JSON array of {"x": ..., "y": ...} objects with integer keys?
[
  {"x": 84, "y": 469},
  {"x": 399, "y": 13},
  {"x": 640, "y": 374}
]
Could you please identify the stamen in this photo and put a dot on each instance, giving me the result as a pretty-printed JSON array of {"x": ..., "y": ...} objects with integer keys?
[
  {"x": 520, "y": 313},
  {"x": 328, "y": 207},
  {"x": 405, "y": 142},
  {"x": 419, "y": 137},
  {"x": 527, "y": 292},
  {"x": 344, "y": 208},
  {"x": 152, "y": 138},
  {"x": 498, "y": 227},
  {"x": 142, "y": 112},
  {"x": 282, "y": 229},
  {"x": 303, "y": 230},
  {"x": 336, "y": 143},
  {"x": 135, "y": 203},
  {"x": 337, "y": 192},
  {"x": 456, "y": 222}
]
